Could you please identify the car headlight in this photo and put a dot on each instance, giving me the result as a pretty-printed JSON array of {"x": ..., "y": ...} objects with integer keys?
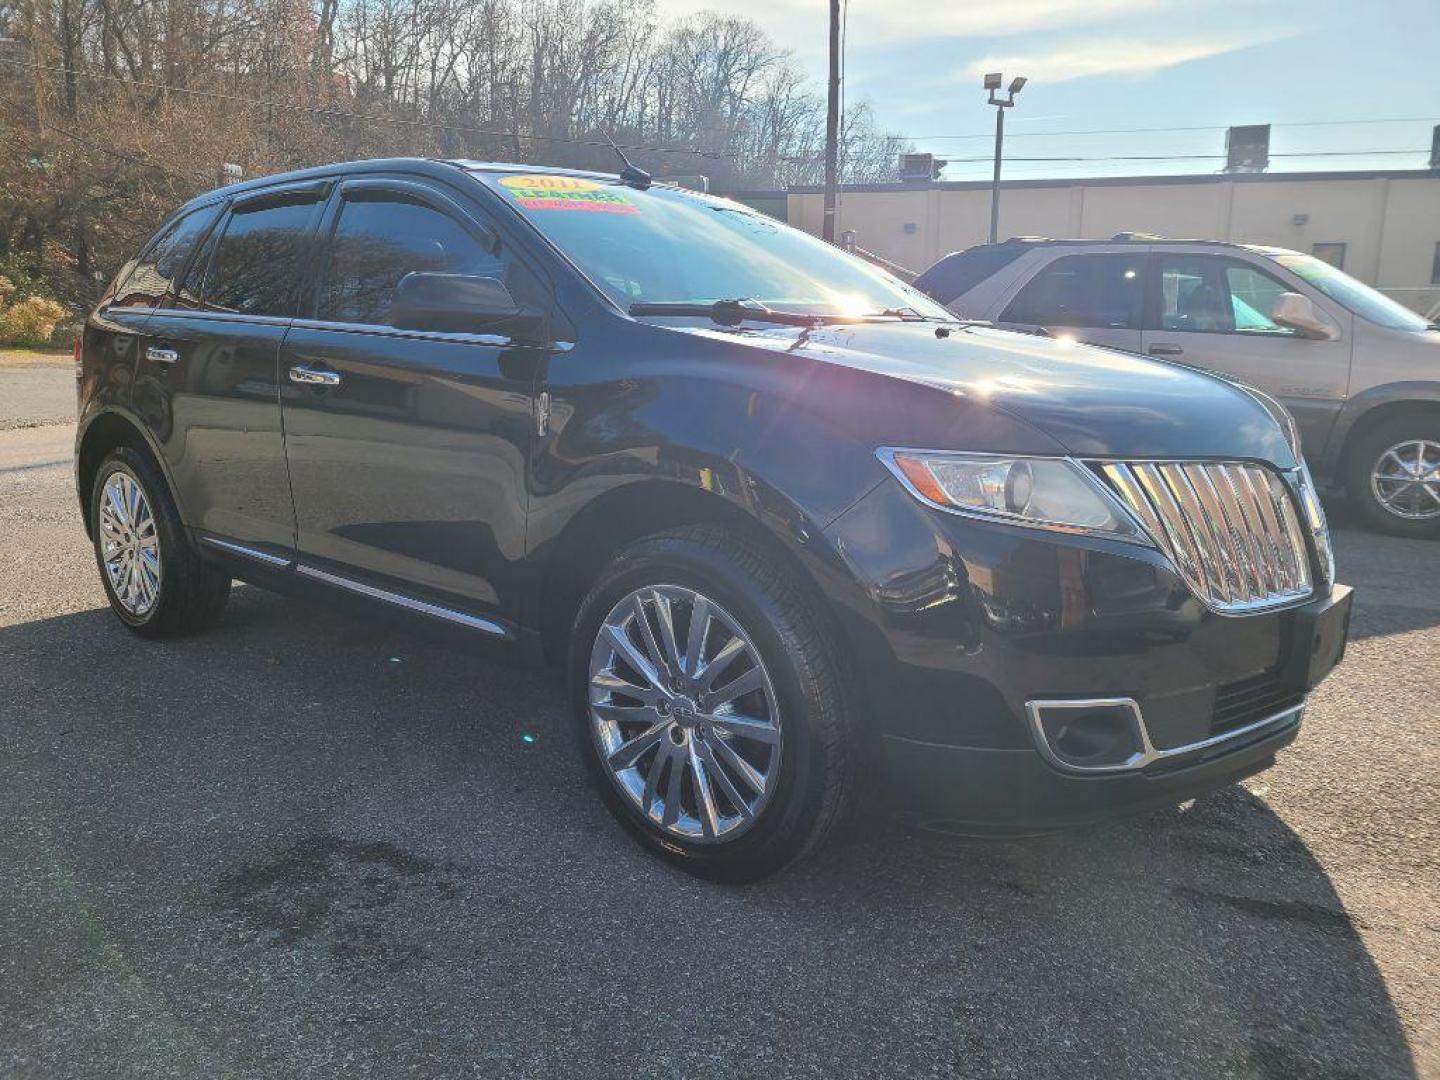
[{"x": 1047, "y": 493}]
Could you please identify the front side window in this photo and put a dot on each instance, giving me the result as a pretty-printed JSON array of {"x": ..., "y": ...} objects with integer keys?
[
  {"x": 663, "y": 245},
  {"x": 153, "y": 275},
  {"x": 1364, "y": 301},
  {"x": 1203, "y": 294},
  {"x": 1083, "y": 291},
  {"x": 378, "y": 241},
  {"x": 1252, "y": 298},
  {"x": 256, "y": 266}
]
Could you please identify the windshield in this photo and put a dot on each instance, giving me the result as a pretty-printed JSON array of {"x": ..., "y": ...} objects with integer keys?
[
  {"x": 661, "y": 245},
  {"x": 1357, "y": 296}
]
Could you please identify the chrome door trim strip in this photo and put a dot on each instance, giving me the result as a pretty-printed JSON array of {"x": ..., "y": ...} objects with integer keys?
[
  {"x": 409, "y": 603},
  {"x": 246, "y": 552},
  {"x": 1148, "y": 753}
]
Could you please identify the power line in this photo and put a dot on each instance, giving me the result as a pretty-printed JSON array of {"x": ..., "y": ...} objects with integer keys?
[
  {"x": 1167, "y": 130},
  {"x": 341, "y": 114},
  {"x": 1189, "y": 157}
]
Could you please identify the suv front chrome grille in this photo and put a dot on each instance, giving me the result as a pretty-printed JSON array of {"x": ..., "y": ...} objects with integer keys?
[{"x": 1230, "y": 528}]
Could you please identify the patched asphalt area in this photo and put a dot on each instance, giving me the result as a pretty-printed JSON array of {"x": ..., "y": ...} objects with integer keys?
[{"x": 311, "y": 844}]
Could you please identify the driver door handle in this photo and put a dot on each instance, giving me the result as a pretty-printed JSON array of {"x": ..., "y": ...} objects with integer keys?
[
  {"x": 1160, "y": 349},
  {"x": 308, "y": 376},
  {"x": 157, "y": 355}
]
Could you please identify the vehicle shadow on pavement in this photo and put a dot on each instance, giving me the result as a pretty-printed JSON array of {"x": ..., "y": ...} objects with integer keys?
[{"x": 306, "y": 838}]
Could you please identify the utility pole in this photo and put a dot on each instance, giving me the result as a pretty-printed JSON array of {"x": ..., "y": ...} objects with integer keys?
[
  {"x": 832, "y": 126},
  {"x": 992, "y": 83}
]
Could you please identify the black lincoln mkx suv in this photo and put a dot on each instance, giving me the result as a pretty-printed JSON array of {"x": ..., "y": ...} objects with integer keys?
[{"x": 783, "y": 520}]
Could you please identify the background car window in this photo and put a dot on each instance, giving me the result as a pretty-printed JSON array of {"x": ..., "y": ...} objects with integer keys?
[
  {"x": 378, "y": 242},
  {"x": 1207, "y": 295},
  {"x": 1194, "y": 296},
  {"x": 1252, "y": 297},
  {"x": 154, "y": 273},
  {"x": 256, "y": 267},
  {"x": 1095, "y": 291},
  {"x": 955, "y": 275}
]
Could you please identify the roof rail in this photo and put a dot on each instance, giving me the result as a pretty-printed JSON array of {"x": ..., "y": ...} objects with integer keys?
[{"x": 1128, "y": 236}]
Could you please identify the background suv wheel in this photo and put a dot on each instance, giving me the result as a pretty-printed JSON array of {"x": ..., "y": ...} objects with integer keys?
[
  {"x": 155, "y": 580},
  {"x": 1393, "y": 476},
  {"x": 711, "y": 710}
]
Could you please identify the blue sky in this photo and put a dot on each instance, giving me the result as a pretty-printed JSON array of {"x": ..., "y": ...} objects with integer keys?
[{"x": 1101, "y": 65}]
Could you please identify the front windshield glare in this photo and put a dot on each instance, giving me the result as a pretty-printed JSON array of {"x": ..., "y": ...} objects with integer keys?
[
  {"x": 661, "y": 245},
  {"x": 1357, "y": 296}
]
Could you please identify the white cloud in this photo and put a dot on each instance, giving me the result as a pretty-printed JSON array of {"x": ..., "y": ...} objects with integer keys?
[
  {"x": 1135, "y": 57},
  {"x": 801, "y": 24}
]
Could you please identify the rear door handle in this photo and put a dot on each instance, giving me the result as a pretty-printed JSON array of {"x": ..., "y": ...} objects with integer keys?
[
  {"x": 160, "y": 355},
  {"x": 309, "y": 376},
  {"x": 1165, "y": 350}
]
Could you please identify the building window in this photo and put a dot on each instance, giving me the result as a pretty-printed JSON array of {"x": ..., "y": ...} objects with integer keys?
[
  {"x": 1435, "y": 266},
  {"x": 1334, "y": 254}
]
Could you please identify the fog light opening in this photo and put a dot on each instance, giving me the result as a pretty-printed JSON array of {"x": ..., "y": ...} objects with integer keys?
[{"x": 1092, "y": 737}]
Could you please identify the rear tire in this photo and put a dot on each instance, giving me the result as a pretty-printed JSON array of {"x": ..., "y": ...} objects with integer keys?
[
  {"x": 1408, "y": 448},
  {"x": 794, "y": 729},
  {"x": 157, "y": 583}
]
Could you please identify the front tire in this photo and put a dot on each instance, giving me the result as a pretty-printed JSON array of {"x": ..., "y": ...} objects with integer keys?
[
  {"x": 712, "y": 709},
  {"x": 155, "y": 580},
  {"x": 1393, "y": 476}
]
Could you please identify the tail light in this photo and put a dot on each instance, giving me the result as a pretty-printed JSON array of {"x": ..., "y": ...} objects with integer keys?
[{"x": 79, "y": 363}]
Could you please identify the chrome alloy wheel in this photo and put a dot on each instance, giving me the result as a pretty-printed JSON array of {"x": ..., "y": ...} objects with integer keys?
[
  {"x": 129, "y": 544},
  {"x": 684, "y": 713},
  {"x": 1406, "y": 479}
]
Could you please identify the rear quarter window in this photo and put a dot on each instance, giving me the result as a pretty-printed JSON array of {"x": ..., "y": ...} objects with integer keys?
[
  {"x": 152, "y": 276},
  {"x": 956, "y": 274}
]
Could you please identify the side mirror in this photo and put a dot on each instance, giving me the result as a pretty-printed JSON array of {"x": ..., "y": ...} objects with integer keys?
[
  {"x": 1297, "y": 312},
  {"x": 462, "y": 304}
]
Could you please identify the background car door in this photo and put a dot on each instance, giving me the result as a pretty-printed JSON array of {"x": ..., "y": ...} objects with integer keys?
[
  {"x": 208, "y": 378},
  {"x": 1095, "y": 298},
  {"x": 409, "y": 465},
  {"x": 1212, "y": 311}
]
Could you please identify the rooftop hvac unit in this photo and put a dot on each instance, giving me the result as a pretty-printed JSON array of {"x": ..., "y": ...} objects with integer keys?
[
  {"x": 1247, "y": 148},
  {"x": 920, "y": 167}
]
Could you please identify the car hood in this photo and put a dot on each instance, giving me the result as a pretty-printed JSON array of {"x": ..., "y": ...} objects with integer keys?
[{"x": 1093, "y": 401}]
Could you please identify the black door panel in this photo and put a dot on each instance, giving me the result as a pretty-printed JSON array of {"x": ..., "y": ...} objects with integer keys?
[
  {"x": 216, "y": 410},
  {"x": 412, "y": 466}
]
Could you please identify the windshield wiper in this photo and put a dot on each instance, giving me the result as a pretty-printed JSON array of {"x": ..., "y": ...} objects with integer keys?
[
  {"x": 734, "y": 312},
  {"x": 904, "y": 314}
]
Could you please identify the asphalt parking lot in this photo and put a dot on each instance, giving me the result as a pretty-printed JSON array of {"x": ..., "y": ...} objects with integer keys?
[{"x": 309, "y": 844}]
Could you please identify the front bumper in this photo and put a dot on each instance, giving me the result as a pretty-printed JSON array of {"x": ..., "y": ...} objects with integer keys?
[
  {"x": 961, "y": 625},
  {"x": 997, "y": 792}
]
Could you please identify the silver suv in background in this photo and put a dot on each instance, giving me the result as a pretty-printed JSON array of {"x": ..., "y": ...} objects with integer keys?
[{"x": 1359, "y": 372}]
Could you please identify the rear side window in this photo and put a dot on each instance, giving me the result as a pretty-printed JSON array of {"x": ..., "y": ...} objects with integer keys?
[
  {"x": 378, "y": 241},
  {"x": 153, "y": 275},
  {"x": 955, "y": 275},
  {"x": 1083, "y": 291},
  {"x": 256, "y": 266}
]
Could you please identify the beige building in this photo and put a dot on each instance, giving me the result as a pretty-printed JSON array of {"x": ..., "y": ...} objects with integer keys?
[{"x": 1382, "y": 227}]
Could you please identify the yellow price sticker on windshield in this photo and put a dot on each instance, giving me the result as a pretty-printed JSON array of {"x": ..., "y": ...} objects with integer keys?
[{"x": 542, "y": 192}]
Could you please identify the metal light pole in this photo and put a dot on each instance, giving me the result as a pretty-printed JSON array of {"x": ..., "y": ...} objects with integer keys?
[
  {"x": 832, "y": 126},
  {"x": 992, "y": 83}
]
